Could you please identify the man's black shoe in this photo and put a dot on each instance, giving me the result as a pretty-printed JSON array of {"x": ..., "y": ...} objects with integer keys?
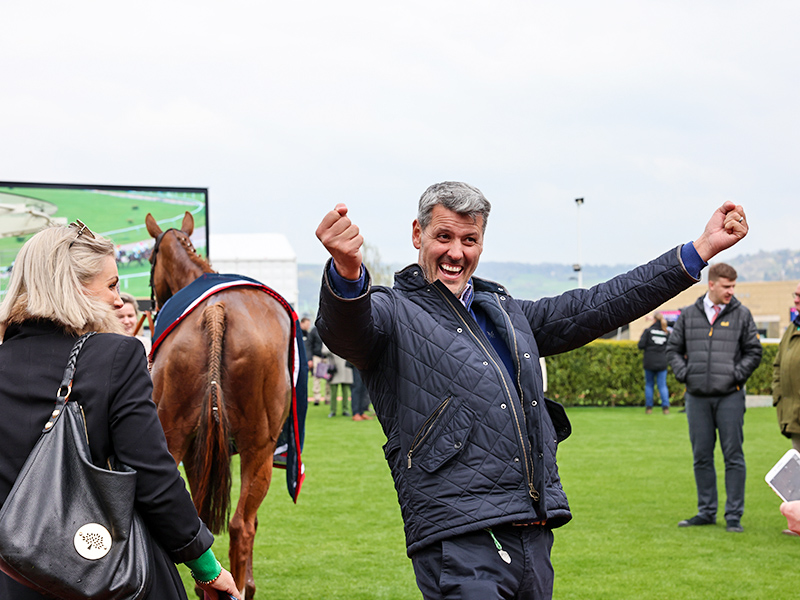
[
  {"x": 696, "y": 520},
  {"x": 734, "y": 526}
]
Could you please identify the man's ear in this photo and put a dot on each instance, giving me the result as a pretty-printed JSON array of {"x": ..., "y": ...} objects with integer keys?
[{"x": 416, "y": 235}]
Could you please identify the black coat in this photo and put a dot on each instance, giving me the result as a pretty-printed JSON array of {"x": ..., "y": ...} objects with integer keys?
[
  {"x": 113, "y": 386},
  {"x": 315, "y": 343},
  {"x": 654, "y": 344},
  {"x": 714, "y": 360},
  {"x": 469, "y": 446}
]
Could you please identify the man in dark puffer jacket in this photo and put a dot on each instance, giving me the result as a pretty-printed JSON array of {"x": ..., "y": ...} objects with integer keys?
[
  {"x": 451, "y": 363},
  {"x": 713, "y": 349}
]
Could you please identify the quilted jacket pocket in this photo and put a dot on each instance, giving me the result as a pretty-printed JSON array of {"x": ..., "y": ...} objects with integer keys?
[
  {"x": 559, "y": 418},
  {"x": 443, "y": 436}
]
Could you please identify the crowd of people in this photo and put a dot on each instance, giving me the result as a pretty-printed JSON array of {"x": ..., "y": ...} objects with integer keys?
[{"x": 340, "y": 380}]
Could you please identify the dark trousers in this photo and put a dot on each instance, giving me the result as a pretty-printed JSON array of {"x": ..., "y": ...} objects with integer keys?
[
  {"x": 469, "y": 567},
  {"x": 360, "y": 394},
  {"x": 706, "y": 416}
]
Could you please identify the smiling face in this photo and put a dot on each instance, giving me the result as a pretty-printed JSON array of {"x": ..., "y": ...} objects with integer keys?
[
  {"x": 449, "y": 248},
  {"x": 105, "y": 285},
  {"x": 127, "y": 316}
]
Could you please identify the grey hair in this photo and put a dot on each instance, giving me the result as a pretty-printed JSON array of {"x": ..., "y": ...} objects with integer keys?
[
  {"x": 49, "y": 278},
  {"x": 461, "y": 198}
]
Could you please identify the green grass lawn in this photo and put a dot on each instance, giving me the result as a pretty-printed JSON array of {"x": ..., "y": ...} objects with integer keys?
[{"x": 629, "y": 479}]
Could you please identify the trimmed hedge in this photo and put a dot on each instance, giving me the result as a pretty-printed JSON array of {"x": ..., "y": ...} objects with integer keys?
[{"x": 610, "y": 373}]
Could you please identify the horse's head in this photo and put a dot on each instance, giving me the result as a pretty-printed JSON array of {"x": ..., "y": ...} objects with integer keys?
[{"x": 175, "y": 263}]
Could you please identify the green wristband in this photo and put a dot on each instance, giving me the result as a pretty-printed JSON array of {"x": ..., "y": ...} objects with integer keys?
[{"x": 205, "y": 568}]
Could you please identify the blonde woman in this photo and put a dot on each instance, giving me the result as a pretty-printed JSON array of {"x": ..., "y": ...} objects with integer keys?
[{"x": 64, "y": 284}]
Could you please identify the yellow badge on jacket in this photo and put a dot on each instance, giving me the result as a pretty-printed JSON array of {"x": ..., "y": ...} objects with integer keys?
[{"x": 725, "y": 324}]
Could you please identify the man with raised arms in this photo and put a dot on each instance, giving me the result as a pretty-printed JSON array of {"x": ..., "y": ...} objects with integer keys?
[{"x": 452, "y": 365}]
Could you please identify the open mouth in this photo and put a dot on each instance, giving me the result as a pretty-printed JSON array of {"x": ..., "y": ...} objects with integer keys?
[{"x": 451, "y": 271}]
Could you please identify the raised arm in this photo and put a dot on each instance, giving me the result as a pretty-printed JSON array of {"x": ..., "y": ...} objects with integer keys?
[
  {"x": 343, "y": 242},
  {"x": 351, "y": 320},
  {"x": 727, "y": 226}
]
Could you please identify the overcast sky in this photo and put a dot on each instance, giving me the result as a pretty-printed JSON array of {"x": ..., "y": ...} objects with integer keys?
[{"x": 654, "y": 112}]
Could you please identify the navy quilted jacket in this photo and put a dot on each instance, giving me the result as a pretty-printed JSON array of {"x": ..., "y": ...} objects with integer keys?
[
  {"x": 468, "y": 445},
  {"x": 714, "y": 360}
]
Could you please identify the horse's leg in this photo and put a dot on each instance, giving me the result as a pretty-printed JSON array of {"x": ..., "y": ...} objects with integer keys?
[
  {"x": 250, "y": 577},
  {"x": 256, "y": 474}
]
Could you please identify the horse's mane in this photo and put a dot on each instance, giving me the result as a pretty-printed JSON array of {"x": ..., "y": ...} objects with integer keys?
[{"x": 192, "y": 253}]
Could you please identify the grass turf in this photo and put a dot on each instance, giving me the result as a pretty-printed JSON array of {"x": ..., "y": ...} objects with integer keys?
[{"x": 629, "y": 479}]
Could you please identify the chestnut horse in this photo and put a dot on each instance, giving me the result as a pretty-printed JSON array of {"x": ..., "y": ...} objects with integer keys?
[{"x": 221, "y": 377}]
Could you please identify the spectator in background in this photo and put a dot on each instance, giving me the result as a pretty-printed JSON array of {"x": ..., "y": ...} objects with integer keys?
[
  {"x": 340, "y": 384},
  {"x": 317, "y": 354},
  {"x": 654, "y": 344},
  {"x": 713, "y": 349},
  {"x": 786, "y": 396},
  {"x": 786, "y": 379},
  {"x": 129, "y": 316},
  {"x": 360, "y": 395},
  {"x": 305, "y": 328}
]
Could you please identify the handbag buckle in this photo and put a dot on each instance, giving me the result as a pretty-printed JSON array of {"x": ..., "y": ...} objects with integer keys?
[
  {"x": 61, "y": 400},
  {"x": 66, "y": 391}
]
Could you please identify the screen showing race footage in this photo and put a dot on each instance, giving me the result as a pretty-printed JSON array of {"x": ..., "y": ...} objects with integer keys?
[{"x": 115, "y": 212}]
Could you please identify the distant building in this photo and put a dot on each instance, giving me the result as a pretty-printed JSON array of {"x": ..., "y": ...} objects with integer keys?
[{"x": 267, "y": 257}]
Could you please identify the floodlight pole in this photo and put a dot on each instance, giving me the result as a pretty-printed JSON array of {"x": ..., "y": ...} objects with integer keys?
[{"x": 577, "y": 267}]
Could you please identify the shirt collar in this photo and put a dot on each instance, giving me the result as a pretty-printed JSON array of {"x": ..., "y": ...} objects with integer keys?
[
  {"x": 467, "y": 295},
  {"x": 709, "y": 304}
]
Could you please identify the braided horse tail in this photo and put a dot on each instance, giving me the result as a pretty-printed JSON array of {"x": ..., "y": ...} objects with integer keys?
[{"x": 212, "y": 456}]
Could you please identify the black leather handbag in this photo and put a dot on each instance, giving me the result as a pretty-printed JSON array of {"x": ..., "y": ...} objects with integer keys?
[{"x": 68, "y": 528}]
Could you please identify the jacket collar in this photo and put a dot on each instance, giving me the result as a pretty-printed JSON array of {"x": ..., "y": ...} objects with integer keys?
[
  {"x": 734, "y": 303},
  {"x": 32, "y": 327},
  {"x": 411, "y": 278}
]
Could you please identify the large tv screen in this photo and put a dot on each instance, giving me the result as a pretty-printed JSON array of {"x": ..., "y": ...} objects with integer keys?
[{"x": 115, "y": 212}]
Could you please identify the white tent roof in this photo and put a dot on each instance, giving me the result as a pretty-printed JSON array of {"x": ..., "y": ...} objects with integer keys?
[{"x": 250, "y": 246}]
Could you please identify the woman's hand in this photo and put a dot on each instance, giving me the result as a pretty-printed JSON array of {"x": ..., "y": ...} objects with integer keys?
[{"x": 225, "y": 584}]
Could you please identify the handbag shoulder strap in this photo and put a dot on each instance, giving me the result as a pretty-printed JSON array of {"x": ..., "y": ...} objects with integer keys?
[{"x": 65, "y": 389}]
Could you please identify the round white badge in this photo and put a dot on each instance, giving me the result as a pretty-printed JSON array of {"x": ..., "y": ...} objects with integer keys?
[{"x": 92, "y": 541}]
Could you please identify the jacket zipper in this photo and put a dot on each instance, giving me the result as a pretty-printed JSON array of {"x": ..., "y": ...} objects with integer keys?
[
  {"x": 708, "y": 361},
  {"x": 527, "y": 461},
  {"x": 426, "y": 428},
  {"x": 516, "y": 353}
]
